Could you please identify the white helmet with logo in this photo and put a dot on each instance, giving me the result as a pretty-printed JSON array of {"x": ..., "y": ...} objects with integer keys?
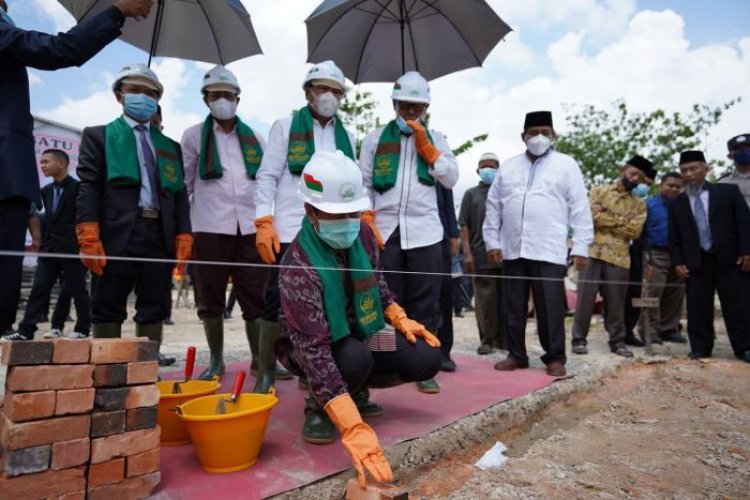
[
  {"x": 411, "y": 87},
  {"x": 332, "y": 183},
  {"x": 327, "y": 73},
  {"x": 220, "y": 78},
  {"x": 138, "y": 74}
]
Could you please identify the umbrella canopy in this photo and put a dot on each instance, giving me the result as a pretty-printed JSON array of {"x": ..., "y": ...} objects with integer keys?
[
  {"x": 379, "y": 40},
  {"x": 213, "y": 31}
]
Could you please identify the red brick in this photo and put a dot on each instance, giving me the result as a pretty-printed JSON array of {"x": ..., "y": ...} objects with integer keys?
[
  {"x": 78, "y": 495},
  {"x": 148, "y": 351},
  {"x": 140, "y": 396},
  {"x": 133, "y": 488},
  {"x": 49, "y": 377},
  {"x": 25, "y": 461},
  {"x": 20, "y": 407},
  {"x": 106, "y": 423},
  {"x": 121, "y": 445},
  {"x": 373, "y": 491},
  {"x": 71, "y": 352},
  {"x": 67, "y": 454},
  {"x": 26, "y": 434},
  {"x": 35, "y": 352},
  {"x": 105, "y": 351},
  {"x": 143, "y": 463},
  {"x": 50, "y": 484},
  {"x": 141, "y": 418},
  {"x": 74, "y": 401},
  {"x": 112, "y": 471},
  {"x": 146, "y": 372},
  {"x": 110, "y": 375}
]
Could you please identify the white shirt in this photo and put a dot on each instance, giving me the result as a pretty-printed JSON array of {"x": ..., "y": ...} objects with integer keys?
[
  {"x": 276, "y": 190},
  {"x": 531, "y": 205},
  {"x": 144, "y": 198},
  {"x": 220, "y": 205},
  {"x": 409, "y": 205}
]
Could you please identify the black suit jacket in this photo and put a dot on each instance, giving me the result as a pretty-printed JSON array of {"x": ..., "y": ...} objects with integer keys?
[
  {"x": 18, "y": 49},
  {"x": 59, "y": 226},
  {"x": 115, "y": 208},
  {"x": 729, "y": 220}
]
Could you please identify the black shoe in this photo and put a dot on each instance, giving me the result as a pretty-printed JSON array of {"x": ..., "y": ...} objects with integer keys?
[
  {"x": 673, "y": 336},
  {"x": 168, "y": 321},
  {"x": 11, "y": 335},
  {"x": 745, "y": 356},
  {"x": 623, "y": 351},
  {"x": 656, "y": 339},
  {"x": 448, "y": 365},
  {"x": 579, "y": 349},
  {"x": 227, "y": 315},
  {"x": 165, "y": 361},
  {"x": 633, "y": 341},
  {"x": 458, "y": 314},
  {"x": 697, "y": 355}
]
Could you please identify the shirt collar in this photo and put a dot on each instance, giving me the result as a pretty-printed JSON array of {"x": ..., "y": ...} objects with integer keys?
[
  {"x": 217, "y": 128},
  {"x": 132, "y": 123}
]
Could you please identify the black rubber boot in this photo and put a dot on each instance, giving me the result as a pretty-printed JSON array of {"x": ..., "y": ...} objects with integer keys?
[
  {"x": 269, "y": 332},
  {"x": 367, "y": 408},
  {"x": 252, "y": 331},
  {"x": 214, "y": 328},
  {"x": 155, "y": 333},
  {"x": 106, "y": 330},
  {"x": 318, "y": 428}
]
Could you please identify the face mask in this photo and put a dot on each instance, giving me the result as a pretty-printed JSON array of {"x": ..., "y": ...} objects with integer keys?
[
  {"x": 223, "y": 109},
  {"x": 742, "y": 158},
  {"x": 487, "y": 175},
  {"x": 641, "y": 190},
  {"x": 403, "y": 127},
  {"x": 326, "y": 104},
  {"x": 139, "y": 106},
  {"x": 539, "y": 144},
  {"x": 340, "y": 233}
]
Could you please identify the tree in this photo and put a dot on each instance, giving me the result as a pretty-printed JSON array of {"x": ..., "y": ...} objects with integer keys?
[{"x": 603, "y": 139}]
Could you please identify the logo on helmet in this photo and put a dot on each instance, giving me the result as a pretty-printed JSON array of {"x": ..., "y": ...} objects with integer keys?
[{"x": 347, "y": 191}]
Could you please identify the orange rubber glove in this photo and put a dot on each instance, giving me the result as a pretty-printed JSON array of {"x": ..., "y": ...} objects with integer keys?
[
  {"x": 396, "y": 316},
  {"x": 267, "y": 239},
  {"x": 369, "y": 218},
  {"x": 88, "y": 240},
  {"x": 183, "y": 244},
  {"x": 359, "y": 439},
  {"x": 425, "y": 148}
]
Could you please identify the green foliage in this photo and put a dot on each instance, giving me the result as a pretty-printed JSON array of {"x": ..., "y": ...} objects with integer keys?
[
  {"x": 357, "y": 111},
  {"x": 467, "y": 145},
  {"x": 604, "y": 139}
]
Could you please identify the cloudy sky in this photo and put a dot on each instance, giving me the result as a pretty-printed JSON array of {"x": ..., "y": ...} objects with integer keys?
[{"x": 651, "y": 53}]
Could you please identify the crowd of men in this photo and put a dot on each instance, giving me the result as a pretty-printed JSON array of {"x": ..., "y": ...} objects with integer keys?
[{"x": 358, "y": 294}]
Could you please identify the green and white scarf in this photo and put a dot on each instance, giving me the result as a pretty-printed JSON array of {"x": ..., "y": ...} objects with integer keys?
[
  {"x": 209, "y": 163},
  {"x": 386, "y": 161},
  {"x": 302, "y": 140}
]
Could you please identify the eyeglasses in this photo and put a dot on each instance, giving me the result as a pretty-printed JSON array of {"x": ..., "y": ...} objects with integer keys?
[
  {"x": 322, "y": 89},
  {"x": 416, "y": 106}
]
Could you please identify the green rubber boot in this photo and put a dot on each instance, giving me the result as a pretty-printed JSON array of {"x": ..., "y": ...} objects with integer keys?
[
  {"x": 154, "y": 331},
  {"x": 367, "y": 408},
  {"x": 214, "y": 328},
  {"x": 269, "y": 332},
  {"x": 106, "y": 330},
  {"x": 252, "y": 332},
  {"x": 318, "y": 428}
]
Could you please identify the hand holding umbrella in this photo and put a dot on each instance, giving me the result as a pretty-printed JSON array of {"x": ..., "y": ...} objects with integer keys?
[{"x": 138, "y": 9}]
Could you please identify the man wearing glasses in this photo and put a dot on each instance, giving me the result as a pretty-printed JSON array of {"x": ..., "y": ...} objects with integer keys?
[{"x": 401, "y": 165}]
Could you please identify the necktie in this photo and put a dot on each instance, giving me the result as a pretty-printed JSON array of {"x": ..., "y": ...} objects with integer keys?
[
  {"x": 150, "y": 164},
  {"x": 701, "y": 220},
  {"x": 56, "y": 195}
]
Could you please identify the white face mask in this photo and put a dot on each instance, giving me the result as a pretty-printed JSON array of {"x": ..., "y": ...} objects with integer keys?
[
  {"x": 223, "y": 109},
  {"x": 326, "y": 104},
  {"x": 539, "y": 144}
]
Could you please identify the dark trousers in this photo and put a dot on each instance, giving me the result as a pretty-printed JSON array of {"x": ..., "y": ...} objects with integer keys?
[
  {"x": 62, "y": 305},
  {"x": 633, "y": 314},
  {"x": 150, "y": 280},
  {"x": 418, "y": 294},
  {"x": 411, "y": 362},
  {"x": 48, "y": 271},
  {"x": 549, "y": 307},
  {"x": 248, "y": 282},
  {"x": 445, "y": 332},
  {"x": 488, "y": 297},
  {"x": 665, "y": 285},
  {"x": 14, "y": 218},
  {"x": 273, "y": 299},
  {"x": 731, "y": 284}
]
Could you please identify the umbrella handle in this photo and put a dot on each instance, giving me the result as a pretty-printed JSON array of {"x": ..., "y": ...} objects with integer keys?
[{"x": 190, "y": 362}]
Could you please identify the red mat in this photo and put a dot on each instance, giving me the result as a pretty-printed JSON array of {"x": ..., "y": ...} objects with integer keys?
[{"x": 287, "y": 462}]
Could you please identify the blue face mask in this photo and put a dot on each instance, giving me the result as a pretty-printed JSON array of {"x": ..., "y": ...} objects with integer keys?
[
  {"x": 742, "y": 158},
  {"x": 403, "y": 127},
  {"x": 139, "y": 106},
  {"x": 641, "y": 190},
  {"x": 487, "y": 175},
  {"x": 5, "y": 17},
  {"x": 339, "y": 234}
]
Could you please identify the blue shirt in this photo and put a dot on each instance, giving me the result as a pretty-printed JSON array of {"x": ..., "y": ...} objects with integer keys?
[{"x": 656, "y": 221}]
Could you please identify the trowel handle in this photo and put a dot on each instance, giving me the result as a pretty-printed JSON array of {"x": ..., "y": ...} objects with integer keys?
[
  {"x": 237, "y": 388},
  {"x": 190, "y": 362}
]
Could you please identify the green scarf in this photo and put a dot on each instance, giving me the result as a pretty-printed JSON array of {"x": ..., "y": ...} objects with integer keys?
[
  {"x": 209, "y": 165},
  {"x": 302, "y": 140},
  {"x": 366, "y": 301},
  {"x": 123, "y": 168},
  {"x": 385, "y": 164}
]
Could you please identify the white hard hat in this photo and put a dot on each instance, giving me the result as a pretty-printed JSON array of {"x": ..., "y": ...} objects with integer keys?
[
  {"x": 489, "y": 156},
  {"x": 138, "y": 74},
  {"x": 220, "y": 78},
  {"x": 332, "y": 183},
  {"x": 328, "y": 73},
  {"x": 411, "y": 87}
]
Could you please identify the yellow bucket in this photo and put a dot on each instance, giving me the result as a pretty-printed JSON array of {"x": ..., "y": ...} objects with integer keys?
[
  {"x": 231, "y": 441},
  {"x": 173, "y": 431}
]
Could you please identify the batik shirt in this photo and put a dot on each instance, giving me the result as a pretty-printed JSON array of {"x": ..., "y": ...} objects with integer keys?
[{"x": 620, "y": 221}]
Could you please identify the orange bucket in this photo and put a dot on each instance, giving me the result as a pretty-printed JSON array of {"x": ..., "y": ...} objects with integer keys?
[{"x": 173, "y": 431}]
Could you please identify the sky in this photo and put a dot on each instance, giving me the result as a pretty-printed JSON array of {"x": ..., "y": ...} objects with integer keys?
[{"x": 650, "y": 53}]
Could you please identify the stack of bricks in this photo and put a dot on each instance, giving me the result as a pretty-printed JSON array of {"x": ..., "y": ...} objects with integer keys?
[{"x": 79, "y": 419}]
